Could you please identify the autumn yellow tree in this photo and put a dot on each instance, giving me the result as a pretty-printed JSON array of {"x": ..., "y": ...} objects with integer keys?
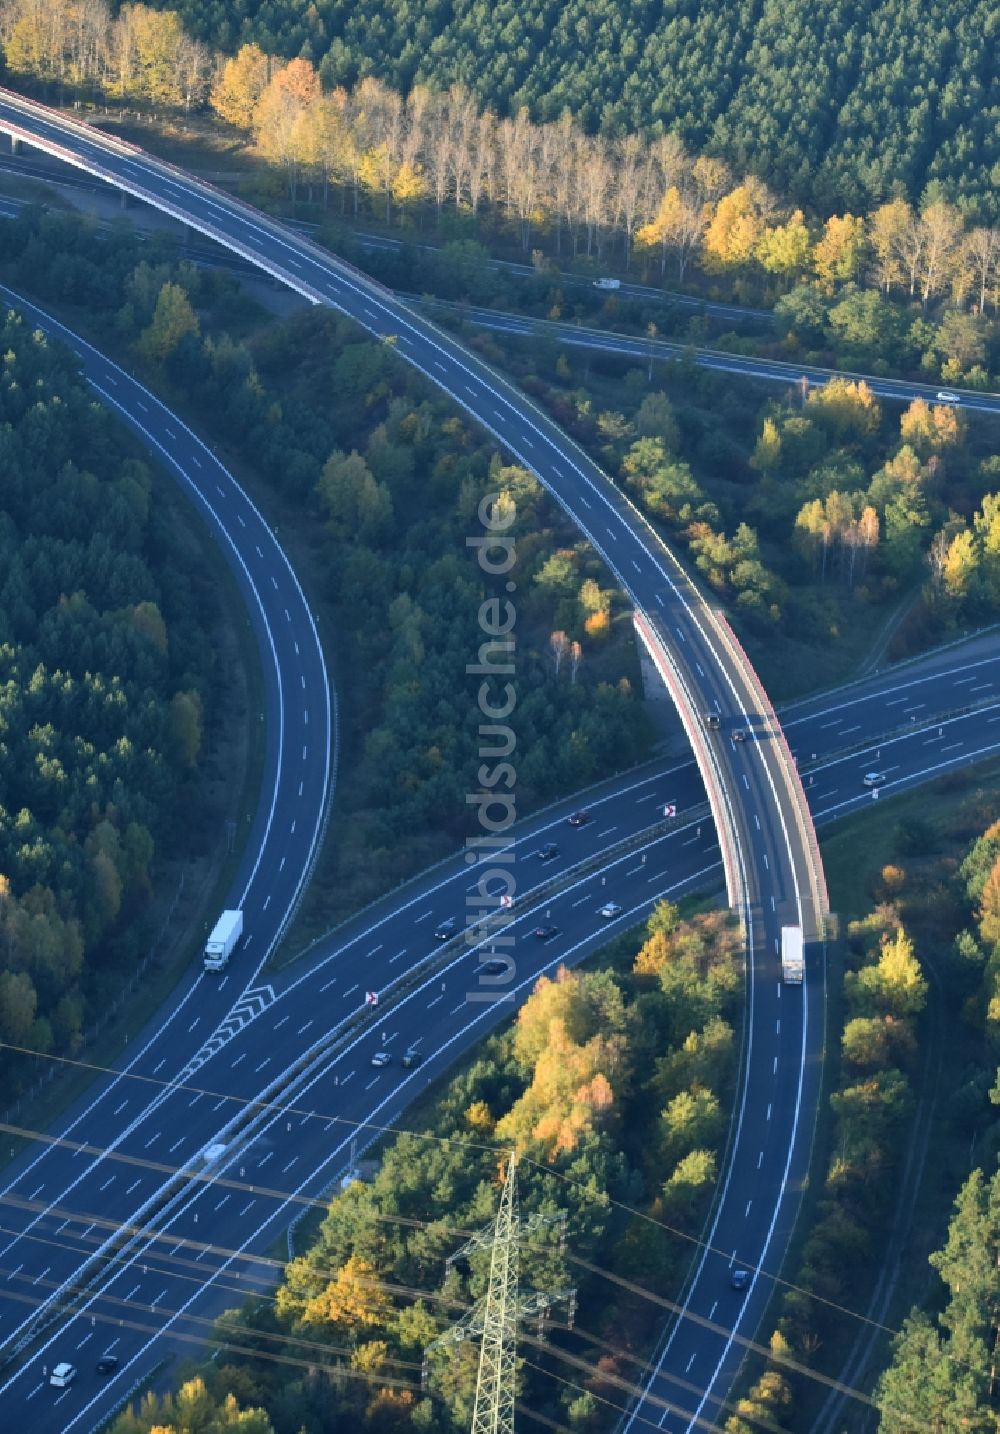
[
  {"x": 989, "y": 907},
  {"x": 238, "y": 90},
  {"x": 894, "y": 985},
  {"x": 677, "y": 228},
  {"x": 838, "y": 253},
  {"x": 845, "y": 407},
  {"x": 961, "y": 561},
  {"x": 146, "y": 47},
  {"x": 785, "y": 249},
  {"x": 931, "y": 428},
  {"x": 570, "y": 1037},
  {"x": 353, "y": 1299},
  {"x": 767, "y": 451},
  {"x": 173, "y": 319},
  {"x": 733, "y": 231},
  {"x": 281, "y": 118},
  {"x": 332, "y": 144},
  {"x": 890, "y": 231},
  {"x": 941, "y": 237}
]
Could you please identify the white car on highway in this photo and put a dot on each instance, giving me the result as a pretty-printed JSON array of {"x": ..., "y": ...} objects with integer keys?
[{"x": 945, "y": 395}]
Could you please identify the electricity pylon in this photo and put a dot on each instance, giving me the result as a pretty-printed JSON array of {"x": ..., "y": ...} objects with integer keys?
[{"x": 493, "y": 1320}]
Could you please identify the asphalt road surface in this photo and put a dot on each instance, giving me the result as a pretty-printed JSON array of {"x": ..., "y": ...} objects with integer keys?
[
  {"x": 765, "y": 849},
  {"x": 208, "y": 1245}
]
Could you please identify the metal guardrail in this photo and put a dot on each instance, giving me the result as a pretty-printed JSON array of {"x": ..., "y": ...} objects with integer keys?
[
  {"x": 895, "y": 734},
  {"x": 803, "y": 816},
  {"x": 689, "y": 713}
]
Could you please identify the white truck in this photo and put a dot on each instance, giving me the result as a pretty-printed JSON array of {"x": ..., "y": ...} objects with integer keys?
[
  {"x": 607, "y": 283},
  {"x": 222, "y": 942},
  {"x": 792, "y": 962}
]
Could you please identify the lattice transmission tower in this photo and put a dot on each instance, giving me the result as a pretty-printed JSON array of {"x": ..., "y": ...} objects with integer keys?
[{"x": 494, "y": 1319}]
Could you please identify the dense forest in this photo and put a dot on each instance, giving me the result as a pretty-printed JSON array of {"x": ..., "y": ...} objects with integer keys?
[
  {"x": 104, "y": 692},
  {"x": 613, "y": 1085},
  {"x": 446, "y": 154},
  {"x": 838, "y": 104}
]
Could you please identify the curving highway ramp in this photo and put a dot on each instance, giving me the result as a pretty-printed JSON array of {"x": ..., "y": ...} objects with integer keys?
[{"x": 771, "y": 865}]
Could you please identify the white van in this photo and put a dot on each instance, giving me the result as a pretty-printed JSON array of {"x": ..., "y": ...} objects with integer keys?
[{"x": 63, "y": 1375}]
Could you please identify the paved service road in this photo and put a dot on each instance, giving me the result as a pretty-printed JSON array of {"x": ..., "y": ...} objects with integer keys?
[
  {"x": 767, "y": 370},
  {"x": 771, "y": 869}
]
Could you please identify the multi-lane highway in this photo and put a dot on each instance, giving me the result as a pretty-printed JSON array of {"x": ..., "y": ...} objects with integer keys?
[
  {"x": 280, "y": 844},
  {"x": 202, "y": 1253},
  {"x": 771, "y": 863},
  {"x": 770, "y": 867},
  {"x": 68, "y": 1200}
]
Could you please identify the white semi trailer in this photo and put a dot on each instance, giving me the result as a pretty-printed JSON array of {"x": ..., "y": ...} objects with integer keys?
[
  {"x": 222, "y": 942},
  {"x": 792, "y": 962}
]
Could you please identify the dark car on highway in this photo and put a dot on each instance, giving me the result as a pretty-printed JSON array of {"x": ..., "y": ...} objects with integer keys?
[
  {"x": 578, "y": 819},
  {"x": 546, "y": 933}
]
